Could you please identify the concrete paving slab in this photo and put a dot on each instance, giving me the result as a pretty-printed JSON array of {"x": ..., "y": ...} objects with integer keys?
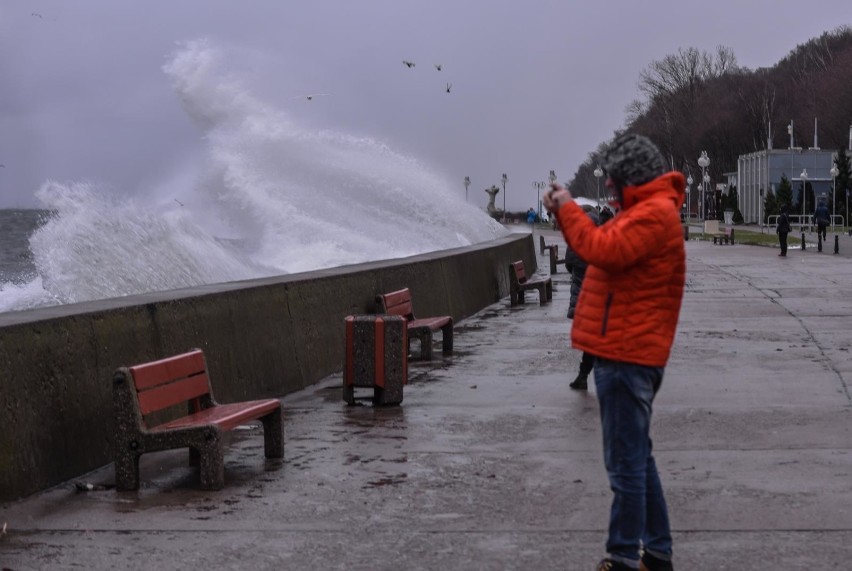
[{"x": 491, "y": 462}]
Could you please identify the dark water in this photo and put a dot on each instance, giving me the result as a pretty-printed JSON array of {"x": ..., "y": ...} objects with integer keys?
[{"x": 16, "y": 227}]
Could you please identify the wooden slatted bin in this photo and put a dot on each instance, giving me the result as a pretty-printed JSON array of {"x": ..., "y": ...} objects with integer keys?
[{"x": 376, "y": 357}]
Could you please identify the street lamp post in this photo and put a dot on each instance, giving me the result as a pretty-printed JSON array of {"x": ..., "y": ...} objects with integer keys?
[
  {"x": 504, "y": 179},
  {"x": 552, "y": 177},
  {"x": 703, "y": 162},
  {"x": 833, "y": 172},
  {"x": 598, "y": 175},
  {"x": 466, "y": 184},
  {"x": 539, "y": 185},
  {"x": 689, "y": 182},
  {"x": 708, "y": 190},
  {"x": 804, "y": 177}
]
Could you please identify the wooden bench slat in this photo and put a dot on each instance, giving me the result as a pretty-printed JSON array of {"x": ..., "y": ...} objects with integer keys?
[
  {"x": 398, "y": 303},
  {"x": 171, "y": 394},
  {"x": 227, "y": 416},
  {"x": 520, "y": 273},
  {"x": 167, "y": 370},
  {"x": 433, "y": 323}
]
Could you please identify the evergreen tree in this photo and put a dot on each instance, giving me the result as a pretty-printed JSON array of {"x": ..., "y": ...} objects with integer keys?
[
  {"x": 843, "y": 182},
  {"x": 784, "y": 194},
  {"x": 731, "y": 201},
  {"x": 734, "y": 204},
  {"x": 770, "y": 206},
  {"x": 806, "y": 190}
]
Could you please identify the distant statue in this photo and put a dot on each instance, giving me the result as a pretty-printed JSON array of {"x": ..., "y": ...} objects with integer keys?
[{"x": 492, "y": 193}]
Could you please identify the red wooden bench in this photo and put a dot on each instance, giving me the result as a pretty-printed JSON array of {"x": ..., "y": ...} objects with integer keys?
[
  {"x": 147, "y": 388},
  {"x": 519, "y": 283},
  {"x": 399, "y": 303},
  {"x": 724, "y": 236},
  {"x": 542, "y": 245},
  {"x": 554, "y": 258}
]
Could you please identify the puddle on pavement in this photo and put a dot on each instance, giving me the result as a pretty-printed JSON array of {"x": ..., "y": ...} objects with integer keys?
[{"x": 387, "y": 481}]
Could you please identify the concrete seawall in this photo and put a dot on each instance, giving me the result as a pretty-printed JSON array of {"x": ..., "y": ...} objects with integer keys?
[{"x": 264, "y": 337}]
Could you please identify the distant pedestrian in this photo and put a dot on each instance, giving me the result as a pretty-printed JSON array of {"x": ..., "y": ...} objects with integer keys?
[
  {"x": 577, "y": 266},
  {"x": 822, "y": 218},
  {"x": 626, "y": 317},
  {"x": 531, "y": 216},
  {"x": 606, "y": 214},
  {"x": 783, "y": 228}
]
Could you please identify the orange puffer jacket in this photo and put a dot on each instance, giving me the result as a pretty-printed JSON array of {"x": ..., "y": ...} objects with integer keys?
[{"x": 630, "y": 301}]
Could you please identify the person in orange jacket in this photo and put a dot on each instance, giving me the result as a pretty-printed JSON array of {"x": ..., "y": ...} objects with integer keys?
[{"x": 626, "y": 317}]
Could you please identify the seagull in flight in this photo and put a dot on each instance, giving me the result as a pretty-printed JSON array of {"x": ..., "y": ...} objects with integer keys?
[
  {"x": 438, "y": 66},
  {"x": 408, "y": 64},
  {"x": 449, "y": 86},
  {"x": 310, "y": 97},
  {"x": 36, "y": 14},
  {"x": 178, "y": 201}
]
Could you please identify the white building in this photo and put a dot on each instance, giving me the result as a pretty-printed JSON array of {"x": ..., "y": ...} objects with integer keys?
[{"x": 762, "y": 171}]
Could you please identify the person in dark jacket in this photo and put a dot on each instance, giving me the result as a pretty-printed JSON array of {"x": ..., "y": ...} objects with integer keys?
[
  {"x": 783, "y": 228},
  {"x": 822, "y": 218},
  {"x": 577, "y": 266}
]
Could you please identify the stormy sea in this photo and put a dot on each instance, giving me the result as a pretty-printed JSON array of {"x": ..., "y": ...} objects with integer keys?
[{"x": 271, "y": 197}]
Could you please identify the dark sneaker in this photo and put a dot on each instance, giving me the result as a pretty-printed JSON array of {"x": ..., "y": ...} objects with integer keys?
[
  {"x": 580, "y": 383},
  {"x": 651, "y": 563},
  {"x": 610, "y": 565}
]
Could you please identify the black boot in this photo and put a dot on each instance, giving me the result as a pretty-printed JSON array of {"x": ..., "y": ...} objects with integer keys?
[{"x": 581, "y": 383}]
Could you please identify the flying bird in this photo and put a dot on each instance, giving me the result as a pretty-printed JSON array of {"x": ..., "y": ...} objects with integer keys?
[
  {"x": 36, "y": 14},
  {"x": 438, "y": 66},
  {"x": 449, "y": 86},
  {"x": 178, "y": 201},
  {"x": 310, "y": 97},
  {"x": 408, "y": 64}
]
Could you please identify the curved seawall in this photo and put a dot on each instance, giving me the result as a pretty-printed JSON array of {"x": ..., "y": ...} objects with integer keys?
[{"x": 264, "y": 337}]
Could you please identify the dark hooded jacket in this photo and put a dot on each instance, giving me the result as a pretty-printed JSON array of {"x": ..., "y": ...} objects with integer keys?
[{"x": 577, "y": 266}]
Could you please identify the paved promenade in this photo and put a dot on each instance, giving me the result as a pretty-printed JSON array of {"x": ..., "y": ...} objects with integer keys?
[{"x": 492, "y": 462}]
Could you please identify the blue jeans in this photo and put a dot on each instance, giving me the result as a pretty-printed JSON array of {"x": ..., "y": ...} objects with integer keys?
[{"x": 639, "y": 514}]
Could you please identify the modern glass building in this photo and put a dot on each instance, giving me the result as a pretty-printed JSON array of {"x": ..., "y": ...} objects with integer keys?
[{"x": 762, "y": 171}]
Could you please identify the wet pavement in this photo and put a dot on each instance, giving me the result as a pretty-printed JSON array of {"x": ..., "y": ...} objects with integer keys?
[{"x": 491, "y": 462}]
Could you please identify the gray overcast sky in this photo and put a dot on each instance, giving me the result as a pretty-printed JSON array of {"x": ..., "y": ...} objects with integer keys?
[{"x": 536, "y": 84}]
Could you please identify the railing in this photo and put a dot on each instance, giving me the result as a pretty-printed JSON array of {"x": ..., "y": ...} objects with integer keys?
[{"x": 806, "y": 220}]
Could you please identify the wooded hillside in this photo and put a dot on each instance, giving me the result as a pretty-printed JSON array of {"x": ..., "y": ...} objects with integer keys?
[{"x": 694, "y": 101}]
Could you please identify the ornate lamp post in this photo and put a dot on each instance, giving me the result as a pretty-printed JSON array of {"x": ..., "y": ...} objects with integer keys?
[
  {"x": 689, "y": 182},
  {"x": 598, "y": 174},
  {"x": 703, "y": 162},
  {"x": 552, "y": 177},
  {"x": 539, "y": 185},
  {"x": 466, "y": 184},
  {"x": 833, "y": 172},
  {"x": 504, "y": 178},
  {"x": 804, "y": 177}
]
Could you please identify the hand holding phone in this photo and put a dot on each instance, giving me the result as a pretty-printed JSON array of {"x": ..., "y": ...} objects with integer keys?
[{"x": 556, "y": 197}]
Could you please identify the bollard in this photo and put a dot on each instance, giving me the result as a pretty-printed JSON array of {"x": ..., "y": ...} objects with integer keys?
[
  {"x": 819, "y": 241},
  {"x": 804, "y": 246},
  {"x": 836, "y": 244},
  {"x": 376, "y": 356}
]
